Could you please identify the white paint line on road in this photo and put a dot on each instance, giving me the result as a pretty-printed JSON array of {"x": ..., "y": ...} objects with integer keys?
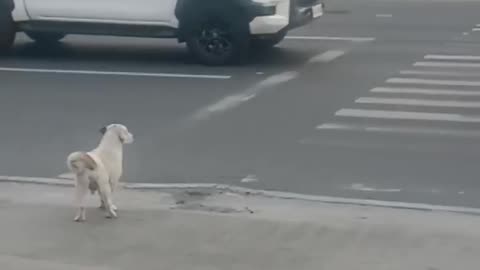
[
  {"x": 447, "y": 64},
  {"x": 233, "y": 101},
  {"x": 440, "y": 73},
  {"x": 476, "y": 29},
  {"x": 404, "y": 115},
  {"x": 419, "y": 102},
  {"x": 116, "y": 73},
  {"x": 432, "y": 82},
  {"x": 249, "y": 179},
  {"x": 452, "y": 57},
  {"x": 383, "y": 15},
  {"x": 66, "y": 176},
  {"x": 423, "y": 91},
  {"x": 401, "y": 130},
  {"x": 362, "y": 187},
  {"x": 262, "y": 193},
  {"x": 352, "y": 39},
  {"x": 327, "y": 56}
]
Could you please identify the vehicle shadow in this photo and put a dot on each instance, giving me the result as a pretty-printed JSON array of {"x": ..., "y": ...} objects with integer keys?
[{"x": 147, "y": 53}]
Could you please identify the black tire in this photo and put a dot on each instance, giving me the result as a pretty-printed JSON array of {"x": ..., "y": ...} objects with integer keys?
[
  {"x": 217, "y": 35},
  {"x": 267, "y": 42},
  {"x": 7, "y": 31},
  {"x": 45, "y": 38}
]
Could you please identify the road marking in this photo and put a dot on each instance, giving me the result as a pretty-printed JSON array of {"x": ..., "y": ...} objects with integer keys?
[
  {"x": 446, "y": 64},
  {"x": 400, "y": 130},
  {"x": 362, "y": 187},
  {"x": 383, "y": 15},
  {"x": 419, "y": 102},
  {"x": 230, "y": 102},
  {"x": 352, "y": 39},
  {"x": 261, "y": 193},
  {"x": 403, "y": 115},
  {"x": 440, "y": 73},
  {"x": 116, "y": 73},
  {"x": 423, "y": 91},
  {"x": 249, "y": 179},
  {"x": 476, "y": 29},
  {"x": 432, "y": 82},
  {"x": 66, "y": 176},
  {"x": 327, "y": 56},
  {"x": 452, "y": 57}
]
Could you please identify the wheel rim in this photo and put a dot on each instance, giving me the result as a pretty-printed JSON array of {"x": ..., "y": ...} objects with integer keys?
[{"x": 214, "y": 40}]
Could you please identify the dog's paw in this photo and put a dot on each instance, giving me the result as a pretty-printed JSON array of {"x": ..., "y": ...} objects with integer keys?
[
  {"x": 79, "y": 219},
  {"x": 114, "y": 208},
  {"x": 111, "y": 214}
]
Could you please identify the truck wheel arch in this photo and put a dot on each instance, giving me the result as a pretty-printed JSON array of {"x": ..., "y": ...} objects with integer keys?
[{"x": 186, "y": 9}]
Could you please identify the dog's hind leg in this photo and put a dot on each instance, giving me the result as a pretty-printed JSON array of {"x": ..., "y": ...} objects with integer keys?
[
  {"x": 106, "y": 195},
  {"x": 81, "y": 193}
]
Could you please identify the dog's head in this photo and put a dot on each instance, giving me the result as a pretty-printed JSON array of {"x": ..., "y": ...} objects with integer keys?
[{"x": 120, "y": 131}]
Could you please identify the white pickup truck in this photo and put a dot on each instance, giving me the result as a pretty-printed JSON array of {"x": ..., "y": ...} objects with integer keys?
[{"x": 217, "y": 32}]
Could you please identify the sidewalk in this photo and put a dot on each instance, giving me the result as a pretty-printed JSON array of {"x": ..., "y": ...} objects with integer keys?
[{"x": 200, "y": 231}]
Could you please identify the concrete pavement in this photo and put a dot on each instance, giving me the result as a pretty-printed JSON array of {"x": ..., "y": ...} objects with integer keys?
[
  {"x": 182, "y": 230},
  {"x": 309, "y": 134}
]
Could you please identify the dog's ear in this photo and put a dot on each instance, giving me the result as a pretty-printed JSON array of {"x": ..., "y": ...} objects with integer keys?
[{"x": 103, "y": 130}]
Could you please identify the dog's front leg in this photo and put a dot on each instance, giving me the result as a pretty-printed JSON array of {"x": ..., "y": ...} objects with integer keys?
[
  {"x": 106, "y": 196},
  {"x": 102, "y": 203},
  {"x": 81, "y": 192}
]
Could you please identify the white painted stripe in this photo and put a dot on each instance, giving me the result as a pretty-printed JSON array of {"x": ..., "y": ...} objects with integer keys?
[
  {"x": 352, "y": 39},
  {"x": 383, "y": 15},
  {"x": 230, "y": 102},
  {"x": 432, "y": 82},
  {"x": 383, "y": 114},
  {"x": 440, "y": 73},
  {"x": 422, "y": 91},
  {"x": 327, "y": 56},
  {"x": 115, "y": 73},
  {"x": 401, "y": 130},
  {"x": 452, "y": 57},
  {"x": 363, "y": 187},
  {"x": 419, "y": 102},
  {"x": 476, "y": 29},
  {"x": 66, "y": 176},
  {"x": 263, "y": 193},
  {"x": 447, "y": 64}
]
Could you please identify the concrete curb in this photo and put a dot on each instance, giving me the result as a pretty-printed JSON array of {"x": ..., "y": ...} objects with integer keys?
[{"x": 255, "y": 192}]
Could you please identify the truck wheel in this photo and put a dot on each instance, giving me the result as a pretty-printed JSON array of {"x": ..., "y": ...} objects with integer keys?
[
  {"x": 7, "y": 31},
  {"x": 217, "y": 36},
  {"x": 263, "y": 43},
  {"x": 45, "y": 38}
]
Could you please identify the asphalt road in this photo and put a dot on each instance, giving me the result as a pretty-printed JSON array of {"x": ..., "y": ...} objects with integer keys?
[{"x": 376, "y": 100}]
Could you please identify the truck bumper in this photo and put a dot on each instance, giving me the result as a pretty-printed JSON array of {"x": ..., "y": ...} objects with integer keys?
[{"x": 289, "y": 15}]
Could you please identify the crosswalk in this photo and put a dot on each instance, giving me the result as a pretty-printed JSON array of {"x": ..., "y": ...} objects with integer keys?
[{"x": 438, "y": 96}]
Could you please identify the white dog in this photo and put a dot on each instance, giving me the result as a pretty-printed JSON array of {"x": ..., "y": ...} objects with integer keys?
[{"x": 100, "y": 169}]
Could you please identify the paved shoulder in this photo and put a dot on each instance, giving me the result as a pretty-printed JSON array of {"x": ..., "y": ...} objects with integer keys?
[{"x": 195, "y": 230}]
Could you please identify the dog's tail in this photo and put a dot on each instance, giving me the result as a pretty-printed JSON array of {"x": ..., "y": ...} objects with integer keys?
[{"x": 79, "y": 163}]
